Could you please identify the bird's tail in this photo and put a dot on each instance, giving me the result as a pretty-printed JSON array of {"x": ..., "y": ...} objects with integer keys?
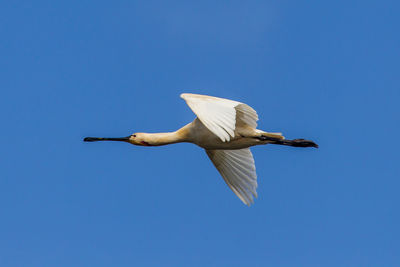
[{"x": 277, "y": 136}]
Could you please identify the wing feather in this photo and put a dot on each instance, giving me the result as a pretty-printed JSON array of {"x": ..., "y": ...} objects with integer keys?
[
  {"x": 221, "y": 115},
  {"x": 238, "y": 170}
]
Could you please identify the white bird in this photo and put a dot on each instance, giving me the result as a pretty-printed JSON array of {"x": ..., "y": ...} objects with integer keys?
[{"x": 225, "y": 129}]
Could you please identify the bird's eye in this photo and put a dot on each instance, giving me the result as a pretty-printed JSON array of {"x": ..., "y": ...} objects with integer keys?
[{"x": 134, "y": 135}]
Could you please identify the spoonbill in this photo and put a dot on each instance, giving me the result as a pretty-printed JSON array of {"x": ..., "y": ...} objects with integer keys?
[{"x": 225, "y": 129}]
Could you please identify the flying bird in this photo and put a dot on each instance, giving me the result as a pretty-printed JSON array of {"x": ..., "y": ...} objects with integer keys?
[{"x": 226, "y": 129}]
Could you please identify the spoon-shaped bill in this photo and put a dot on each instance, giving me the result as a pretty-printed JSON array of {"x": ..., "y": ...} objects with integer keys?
[{"x": 94, "y": 139}]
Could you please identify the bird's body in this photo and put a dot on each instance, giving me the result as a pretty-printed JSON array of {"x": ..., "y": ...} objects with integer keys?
[
  {"x": 196, "y": 133},
  {"x": 225, "y": 129},
  {"x": 203, "y": 137}
]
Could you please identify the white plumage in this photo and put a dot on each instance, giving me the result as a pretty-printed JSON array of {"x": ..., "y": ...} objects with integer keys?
[
  {"x": 225, "y": 129},
  {"x": 219, "y": 115},
  {"x": 238, "y": 170}
]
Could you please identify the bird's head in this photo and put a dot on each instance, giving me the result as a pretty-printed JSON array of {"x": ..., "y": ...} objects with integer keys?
[{"x": 138, "y": 139}]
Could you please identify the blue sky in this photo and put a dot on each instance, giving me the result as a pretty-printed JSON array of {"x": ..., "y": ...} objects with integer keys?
[{"x": 327, "y": 71}]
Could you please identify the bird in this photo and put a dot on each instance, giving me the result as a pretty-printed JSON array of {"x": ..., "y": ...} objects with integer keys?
[{"x": 225, "y": 129}]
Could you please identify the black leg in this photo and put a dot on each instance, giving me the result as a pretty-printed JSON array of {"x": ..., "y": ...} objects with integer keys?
[{"x": 285, "y": 142}]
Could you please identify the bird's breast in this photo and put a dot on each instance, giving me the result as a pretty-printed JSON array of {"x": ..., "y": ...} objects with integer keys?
[{"x": 203, "y": 137}]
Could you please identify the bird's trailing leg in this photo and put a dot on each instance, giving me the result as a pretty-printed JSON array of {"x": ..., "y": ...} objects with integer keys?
[{"x": 286, "y": 142}]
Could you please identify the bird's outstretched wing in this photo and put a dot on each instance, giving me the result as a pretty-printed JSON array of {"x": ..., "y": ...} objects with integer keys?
[
  {"x": 238, "y": 170},
  {"x": 221, "y": 115}
]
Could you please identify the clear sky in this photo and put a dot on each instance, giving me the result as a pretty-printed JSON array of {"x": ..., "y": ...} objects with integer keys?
[{"x": 323, "y": 70}]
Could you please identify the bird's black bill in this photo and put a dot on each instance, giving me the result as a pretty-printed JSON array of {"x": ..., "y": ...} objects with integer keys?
[{"x": 94, "y": 139}]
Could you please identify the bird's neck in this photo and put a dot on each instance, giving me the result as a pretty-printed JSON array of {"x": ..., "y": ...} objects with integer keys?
[{"x": 160, "y": 139}]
